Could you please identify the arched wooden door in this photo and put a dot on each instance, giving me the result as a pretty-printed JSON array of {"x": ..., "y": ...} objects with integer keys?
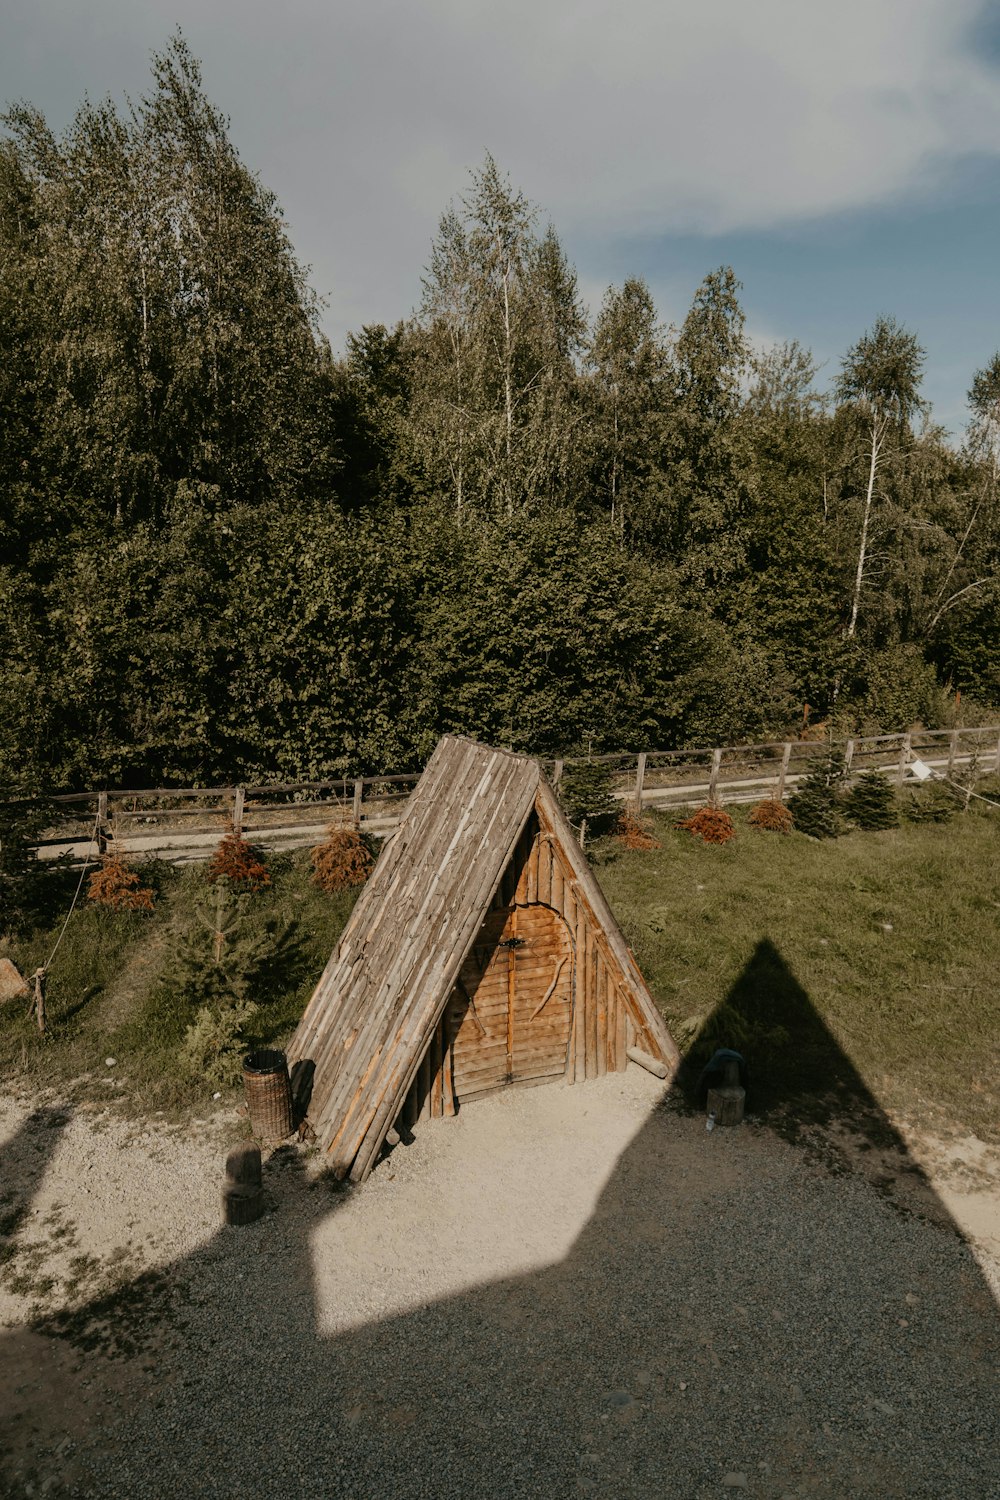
[{"x": 510, "y": 1013}]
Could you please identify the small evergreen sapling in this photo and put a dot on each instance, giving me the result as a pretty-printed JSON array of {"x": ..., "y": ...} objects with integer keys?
[
  {"x": 116, "y": 884},
  {"x": 342, "y": 859},
  {"x": 217, "y": 978},
  {"x": 771, "y": 815},
  {"x": 712, "y": 825},
  {"x": 933, "y": 802},
  {"x": 871, "y": 803},
  {"x": 585, "y": 793},
  {"x": 814, "y": 806},
  {"x": 238, "y": 861},
  {"x": 632, "y": 834}
]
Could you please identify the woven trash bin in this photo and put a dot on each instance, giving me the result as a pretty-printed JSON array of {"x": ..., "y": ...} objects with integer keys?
[{"x": 269, "y": 1094}]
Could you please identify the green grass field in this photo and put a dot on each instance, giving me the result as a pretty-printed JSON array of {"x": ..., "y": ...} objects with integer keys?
[
  {"x": 861, "y": 966},
  {"x": 864, "y": 962}
]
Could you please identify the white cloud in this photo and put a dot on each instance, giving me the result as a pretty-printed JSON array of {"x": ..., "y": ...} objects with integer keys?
[{"x": 651, "y": 116}]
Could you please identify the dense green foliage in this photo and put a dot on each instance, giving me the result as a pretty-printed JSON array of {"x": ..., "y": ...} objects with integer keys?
[{"x": 227, "y": 555}]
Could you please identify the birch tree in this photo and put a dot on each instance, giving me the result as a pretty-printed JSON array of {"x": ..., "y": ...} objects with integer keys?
[
  {"x": 498, "y": 332},
  {"x": 880, "y": 383}
]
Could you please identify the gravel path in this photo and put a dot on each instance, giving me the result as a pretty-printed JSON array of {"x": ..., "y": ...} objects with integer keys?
[{"x": 564, "y": 1292}]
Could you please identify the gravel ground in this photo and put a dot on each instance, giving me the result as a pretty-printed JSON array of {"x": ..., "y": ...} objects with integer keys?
[{"x": 564, "y": 1292}]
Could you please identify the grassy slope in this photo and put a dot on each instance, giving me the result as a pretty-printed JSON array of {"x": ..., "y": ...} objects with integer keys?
[
  {"x": 104, "y": 996},
  {"x": 794, "y": 931},
  {"x": 915, "y": 1009}
]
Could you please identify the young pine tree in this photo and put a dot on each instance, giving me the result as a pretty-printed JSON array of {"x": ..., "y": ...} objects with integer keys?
[{"x": 871, "y": 802}]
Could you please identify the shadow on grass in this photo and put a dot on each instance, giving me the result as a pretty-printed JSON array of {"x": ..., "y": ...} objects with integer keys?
[
  {"x": 724, "y": 1310},
  {"x": 799, "y": 1074}
]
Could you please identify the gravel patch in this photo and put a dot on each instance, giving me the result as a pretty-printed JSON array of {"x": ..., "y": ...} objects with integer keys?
[{"x": 564, "y": 1292}]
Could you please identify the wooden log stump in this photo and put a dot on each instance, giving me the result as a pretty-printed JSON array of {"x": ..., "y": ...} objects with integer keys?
[
  {"x": 242, "y": 1190},
  {"x": 726, "y": 1103}
]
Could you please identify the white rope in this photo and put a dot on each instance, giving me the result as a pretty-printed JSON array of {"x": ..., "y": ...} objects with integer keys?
[
  {"x": 79, "y": 886},
  {"x": 965, "y": 790}
]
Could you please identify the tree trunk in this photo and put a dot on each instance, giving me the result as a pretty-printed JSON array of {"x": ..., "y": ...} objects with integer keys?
[{"x": 865, "y": 523}]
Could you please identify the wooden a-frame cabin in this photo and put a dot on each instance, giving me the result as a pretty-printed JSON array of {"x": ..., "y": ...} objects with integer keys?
[{"x": 480, "y": 953}]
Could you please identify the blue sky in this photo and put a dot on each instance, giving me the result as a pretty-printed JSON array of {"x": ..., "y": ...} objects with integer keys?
[{"x": 845, "y": 160}]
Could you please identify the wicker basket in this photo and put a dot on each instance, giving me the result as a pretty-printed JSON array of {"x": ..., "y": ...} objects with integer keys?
[{"x": 269, "y": 1095}]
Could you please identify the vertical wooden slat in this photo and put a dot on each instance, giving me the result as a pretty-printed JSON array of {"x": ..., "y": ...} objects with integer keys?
[
  {"x": 447, "y": 1072},
  {"x": 557, "y": 773},
  {"x": 591, "y": 969},
  {"x": 952, "y": 752},
  {"x": 545, "y": 870},
  {"x": 601, "y": 1003},
  {"x": 239, "y": 801},
  {"x": 359, "y": 792},
  {"x": 557, "y": 888},
  {"x": 434, "y": 1051},
  {"x": 580, "y": 1013},
  {"x": 621, "y": 1032},
  {"x": 848, "y": 754},
  {"x": 782, "y": 774},
  {"x": 531, "y": 873}
]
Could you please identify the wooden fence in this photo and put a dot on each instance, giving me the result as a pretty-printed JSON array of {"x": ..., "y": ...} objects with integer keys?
[{"x": 185, "y": 823}]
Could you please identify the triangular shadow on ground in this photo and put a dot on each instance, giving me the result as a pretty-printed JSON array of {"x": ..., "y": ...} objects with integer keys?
[{"x": 729, "y": 1308}]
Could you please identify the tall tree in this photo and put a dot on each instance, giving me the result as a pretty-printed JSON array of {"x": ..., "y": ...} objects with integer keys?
[
  {"x": 710, "y": 463},
  {"x": 628, "y": 359},
  {"x": 880, "y": 384},
  {"x": 499, "y": 331}
]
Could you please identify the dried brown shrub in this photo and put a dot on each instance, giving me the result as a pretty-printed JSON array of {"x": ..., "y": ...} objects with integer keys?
[
  {"x": 710, "y": 824},
  {"x": 116, "y": 885},
  {"x": 772, "y": 815},
  {"x": 342, "y": 859},
  {"x": 238, "y": 861},
  {"x": 630, "y": 832}
]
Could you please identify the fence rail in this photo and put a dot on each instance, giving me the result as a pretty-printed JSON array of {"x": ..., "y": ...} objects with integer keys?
[{"x": 184, "y": 823}]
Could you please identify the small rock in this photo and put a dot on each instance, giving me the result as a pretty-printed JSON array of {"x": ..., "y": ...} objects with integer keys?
[
  {"x": 886, "y": 926},
  {"x": 682, "y": 1385},
  {"x": 216, "y": 1096},
  {"x": 734, "y": 1482},
  {"x": 618, "y": 1398},
  {"x": 110, "y": 1062},
  {"x": 912, "y": 1298}
]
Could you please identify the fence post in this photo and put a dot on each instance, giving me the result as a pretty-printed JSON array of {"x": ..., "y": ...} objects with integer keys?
[
  {"x": 557, "y": 773},
  {"x": 713, "y": 779},
  {"x": 239, "y": 798},
  {"x": 952, "y": 752},
  {"x": 640, "y": 777},
  {"x": 848, "y": 755},
  {"x": 998, "y": 756},
  {"x": 785, "y": 757},
  {"x": 102, "y": 822},
  {"x": 359, "y": 792},
  {"x": 904, "y": 755}
]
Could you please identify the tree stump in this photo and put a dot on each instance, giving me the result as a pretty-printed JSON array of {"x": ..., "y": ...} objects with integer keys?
[
  {"x": 727, "y": 1100},
  {"x": 726, "y": 1103},
  {"x": 242, "y": 1190}
]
